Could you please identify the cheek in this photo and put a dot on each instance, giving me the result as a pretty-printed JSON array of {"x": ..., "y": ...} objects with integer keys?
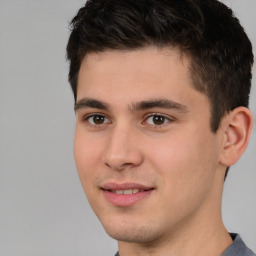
[
  {"x": 186, "y": 168},
  {"x": 186, "y": 160},
  {"x": 87, "y": 157}
]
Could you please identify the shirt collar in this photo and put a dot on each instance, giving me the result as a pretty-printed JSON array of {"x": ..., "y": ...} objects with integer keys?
[{"x": 237, "y": 248}]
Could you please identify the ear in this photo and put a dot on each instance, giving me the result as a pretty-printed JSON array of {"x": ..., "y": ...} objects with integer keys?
[{"x": 237, "y": 130}]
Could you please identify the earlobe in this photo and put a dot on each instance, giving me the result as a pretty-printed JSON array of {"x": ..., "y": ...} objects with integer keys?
[{"x": 237, "y": 133}]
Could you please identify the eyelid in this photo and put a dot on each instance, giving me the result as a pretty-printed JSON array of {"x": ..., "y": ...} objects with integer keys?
[
  {"x": 168, "y": 118},
  {"x": 88, "y": 115}
]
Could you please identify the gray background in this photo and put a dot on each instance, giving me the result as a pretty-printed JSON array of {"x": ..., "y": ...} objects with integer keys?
[{"x": 43, "y": 210}]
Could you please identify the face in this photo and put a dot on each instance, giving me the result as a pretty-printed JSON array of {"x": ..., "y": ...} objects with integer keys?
[{"x": 144, "y": 151}]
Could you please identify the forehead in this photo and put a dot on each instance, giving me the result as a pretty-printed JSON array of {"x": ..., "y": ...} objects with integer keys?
[
  {"x": 145, "y": 65},
  {"x": 121, "y": 77}
]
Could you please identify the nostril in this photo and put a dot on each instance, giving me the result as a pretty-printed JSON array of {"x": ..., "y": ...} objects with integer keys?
[
  {"x": 107, "y": 164},
  {"x": 119, "y": 166}
]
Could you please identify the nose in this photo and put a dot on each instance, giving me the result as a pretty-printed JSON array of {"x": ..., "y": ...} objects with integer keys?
[{"x": 122, "y": 150}]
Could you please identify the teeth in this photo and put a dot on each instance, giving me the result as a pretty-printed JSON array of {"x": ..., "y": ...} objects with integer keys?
[
  {"x": 126, "y": 192},
  {"x": 119, "y": 192}
]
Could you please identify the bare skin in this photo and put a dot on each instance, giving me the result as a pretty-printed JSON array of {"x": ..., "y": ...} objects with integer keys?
[{"x": 140, "y": 122}]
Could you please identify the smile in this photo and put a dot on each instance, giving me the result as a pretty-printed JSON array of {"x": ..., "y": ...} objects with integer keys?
[
  {"x": 125, "y": 195},
  {"x": 127, "y": 191}
]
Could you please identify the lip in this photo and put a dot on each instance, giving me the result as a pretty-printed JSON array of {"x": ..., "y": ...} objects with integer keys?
[
  {"x": 123, "y": 200},
  {"x": 125, "y": 186}
]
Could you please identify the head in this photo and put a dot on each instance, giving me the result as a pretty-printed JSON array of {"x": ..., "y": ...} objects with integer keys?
[{"x": 125, "y": 57}]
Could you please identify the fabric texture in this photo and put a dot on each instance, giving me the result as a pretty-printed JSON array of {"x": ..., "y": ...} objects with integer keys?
[{"x": 237, "y": 248}]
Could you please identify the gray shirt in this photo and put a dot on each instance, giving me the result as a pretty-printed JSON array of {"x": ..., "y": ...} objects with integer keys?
[{"x": 237, "y": 248}]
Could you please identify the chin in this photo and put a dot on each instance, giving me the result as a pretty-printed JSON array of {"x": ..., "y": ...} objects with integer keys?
[{"x": 132, "y": 234}]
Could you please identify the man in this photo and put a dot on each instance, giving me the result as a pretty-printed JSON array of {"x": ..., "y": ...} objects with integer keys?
[{"x": 161, "y": 94}]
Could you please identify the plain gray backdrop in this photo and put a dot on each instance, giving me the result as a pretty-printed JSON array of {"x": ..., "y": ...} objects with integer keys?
[{"x": 43, "y": 210}]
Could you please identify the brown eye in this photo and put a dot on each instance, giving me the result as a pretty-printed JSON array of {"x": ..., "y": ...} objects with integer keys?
[
  {"x": 97, "y": 120},
  {"x": 157, "y": 120}
]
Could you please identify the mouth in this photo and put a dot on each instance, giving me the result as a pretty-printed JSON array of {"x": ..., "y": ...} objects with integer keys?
[
  {"x": 126, "y": 191},
  {"x": 127, "y": 194}
]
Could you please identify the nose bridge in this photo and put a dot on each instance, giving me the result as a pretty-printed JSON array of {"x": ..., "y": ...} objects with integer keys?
[{"x": 122, "y": 149}]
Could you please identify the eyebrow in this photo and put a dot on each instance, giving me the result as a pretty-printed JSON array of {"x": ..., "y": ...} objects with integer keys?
[
  {"x": 90, "y": 103},
  {"x": 158, "y": 103},
  {"x": 137, "y": 106}
]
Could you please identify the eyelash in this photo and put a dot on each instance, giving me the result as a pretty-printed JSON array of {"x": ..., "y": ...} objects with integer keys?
[{"x": 152, "y": 115}]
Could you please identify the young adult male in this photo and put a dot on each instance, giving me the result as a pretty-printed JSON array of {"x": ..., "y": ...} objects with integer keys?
[{"x": 161, "y": 96}]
